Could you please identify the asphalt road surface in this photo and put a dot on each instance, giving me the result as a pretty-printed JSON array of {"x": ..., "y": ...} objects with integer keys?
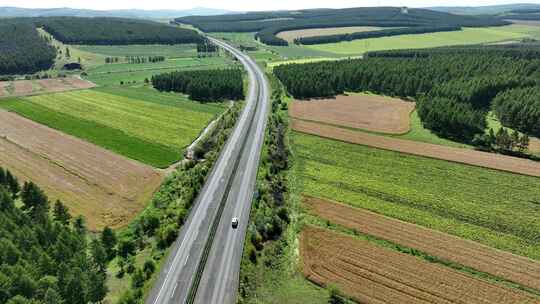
[{"x": 227, "y": 193}]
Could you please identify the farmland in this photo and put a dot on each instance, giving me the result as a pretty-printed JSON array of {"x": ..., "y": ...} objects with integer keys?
[
  {"x": 289, "y": 36},
  {"x": 107, "y": 120},
  {"x": 43, "y": 86},
  {"x": 374, "y": 274},
  {"x": 453, "y": 198},
  {"x": 106, "y": 188},
  {"x": 360, "y": 111},
  {"x": 466, "y": 36},
  {"x": 169, "y": 51},
  {"x": 499, "y": 263},
  {"x": 113, "y": 74},
  {"x": 453, "y": 154}
]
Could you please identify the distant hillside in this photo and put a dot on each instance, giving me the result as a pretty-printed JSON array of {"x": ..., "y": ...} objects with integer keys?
[
  {"x": 268, "y": 24},
  {"x": 127, "y": 13},
  {"x": 483, "y": 10}
]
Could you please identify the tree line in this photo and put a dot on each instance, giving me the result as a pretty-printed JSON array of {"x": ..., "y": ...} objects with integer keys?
[
  {"x": 454, "y": 87},
  {"x": 268, "y": 24},
  {"x": 44, "y": 259},
  {"x": 114, "y": 31},
  {"x": 144, "y": 59},
  {"x": 23, "y": 50},
  {"x": 519, "y": 109},
  {"x": 203, "y": 85},
  {"x": 375, "y": 34}
]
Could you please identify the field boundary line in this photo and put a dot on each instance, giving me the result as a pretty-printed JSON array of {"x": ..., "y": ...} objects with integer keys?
[{"x": 456, "y": 155}]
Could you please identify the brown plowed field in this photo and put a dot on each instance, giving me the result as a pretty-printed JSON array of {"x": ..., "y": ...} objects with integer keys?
[
  {"x": 101, "y": 185},
  {"x": 369, "y": 112},
  {"x": 499, "y": 263},
  {"x": 373, "y": 274},
  {"x": 465, "y": 156},
  {"x": 43, "y": 86}
]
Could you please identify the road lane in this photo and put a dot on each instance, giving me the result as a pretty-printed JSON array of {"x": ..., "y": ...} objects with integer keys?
[
  {"x": 178, "y": 273},
  {"x": 220, "y": 279}
]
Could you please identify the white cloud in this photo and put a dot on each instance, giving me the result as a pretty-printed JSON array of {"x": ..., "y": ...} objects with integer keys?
[{"x": 243, "y": 5}]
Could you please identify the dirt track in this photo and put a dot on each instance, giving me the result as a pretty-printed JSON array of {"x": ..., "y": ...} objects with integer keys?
[
  {"x": 103, "y": 186},
  {"x": 465, "y": 156},
  {"x": 368, "y": 112},
  {"x": 373, "y": 274},
  {"x": 499, "y": 263}
]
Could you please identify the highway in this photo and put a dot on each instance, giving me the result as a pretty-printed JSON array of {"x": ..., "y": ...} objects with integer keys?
[{"x": 203, "y": 263}]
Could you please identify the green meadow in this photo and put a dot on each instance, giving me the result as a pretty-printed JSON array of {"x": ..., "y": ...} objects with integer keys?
[{"x": 463, "y": 37}]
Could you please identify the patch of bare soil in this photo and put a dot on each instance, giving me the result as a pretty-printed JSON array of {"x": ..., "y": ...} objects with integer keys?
[
  {"x": 54, "y": 85},
  {"x": 23, "y": 87},
  {"x": 503, "y": 264},
  {"x": 104, "y": 187},
  {"x": 373, "y": 274},
  {"x": 459, "y": 155},
  {"x": 43, "y": 86},
  {"x": 3, "y": 85},
  {"x": 368, "y": 112}
]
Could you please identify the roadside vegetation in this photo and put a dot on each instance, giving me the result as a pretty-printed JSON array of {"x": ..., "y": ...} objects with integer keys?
[
  {"x": 157, "y": 227},
  {"x": 269, "y": 267}
]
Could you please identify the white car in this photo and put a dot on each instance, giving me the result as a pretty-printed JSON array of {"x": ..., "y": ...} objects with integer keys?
[{"x": 235, "y": 222}]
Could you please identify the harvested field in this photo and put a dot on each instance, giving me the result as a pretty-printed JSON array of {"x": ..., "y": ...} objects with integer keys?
[
  {"x": 368, "y": 112},
  {"x": 3, "y": 85},
  {"x": 373, "y": 274},
  {"x": 53, "y": 85},
  {"x": 512, "y": 267},
  {"x": 101, "y": 185},
  {"x": 43, "y": 86},
  {"x": 23, "y": 87},
  {"x": 459, "y": 155},
  {"x": 291, "y": 35}
]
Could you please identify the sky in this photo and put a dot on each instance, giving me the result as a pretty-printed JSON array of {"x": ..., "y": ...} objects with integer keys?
[{"x": 243, "y": 5}]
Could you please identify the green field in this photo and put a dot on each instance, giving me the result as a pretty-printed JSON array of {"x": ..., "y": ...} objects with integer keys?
[
  {"x": 112, "y": 74},
  {"x": 170, "y": 51},
  {"x": 488, "y": 206},
  {"x": 466, "y": 36},
  {"x": 141, "y": 124},
  {"x": 419, "y": 133}
]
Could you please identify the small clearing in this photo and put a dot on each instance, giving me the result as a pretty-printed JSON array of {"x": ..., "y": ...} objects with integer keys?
[
  {"x": 359, "y": 111},
  {"x": 373, "y": 274},
  {"x": 459, "y": 155},
  {"x": 471, "y": 254},
  {"x": 105, "y": 188},
  {"x": 291, "y": 35}
]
